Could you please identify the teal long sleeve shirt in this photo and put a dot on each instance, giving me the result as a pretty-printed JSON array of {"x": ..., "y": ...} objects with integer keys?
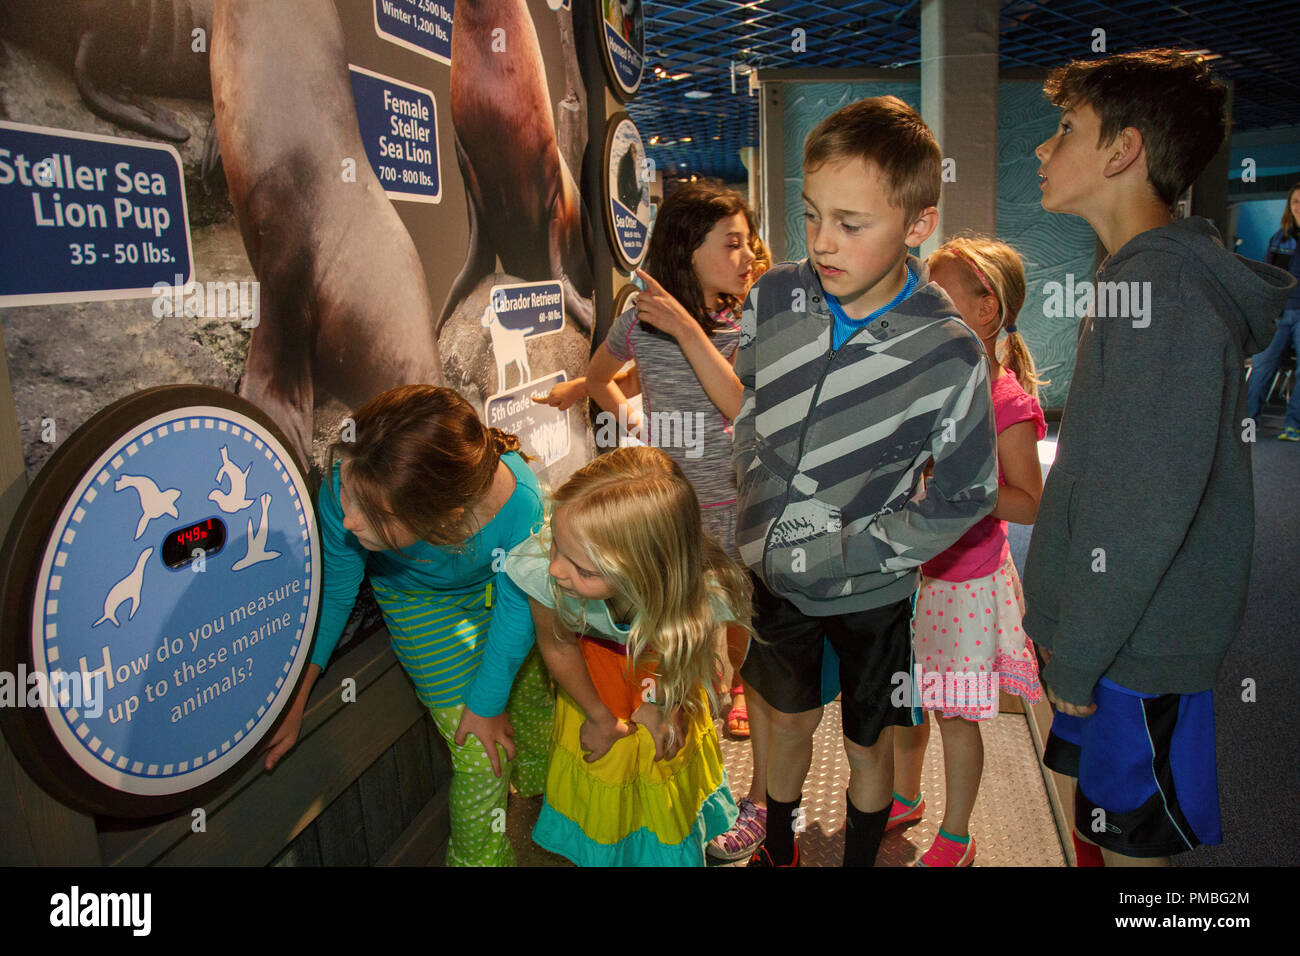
[{"x": 406, "y": 583}]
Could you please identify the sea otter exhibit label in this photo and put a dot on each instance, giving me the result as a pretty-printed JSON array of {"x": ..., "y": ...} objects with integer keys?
[
  {"x": 528, "y": 308},
  {"x": 626, "y": 191},
  {"x": 399, "y": 127},
  {"x": 543, "y": 430},
  {"x": 420, "y": 25},
  {"x": 89, "y": 217},
  {"x": 175, "y": 593}
]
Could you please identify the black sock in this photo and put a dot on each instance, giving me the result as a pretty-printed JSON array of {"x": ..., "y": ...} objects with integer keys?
[
  {"x": 862, "y": 834},
  {"x": 781, "y": 820}
]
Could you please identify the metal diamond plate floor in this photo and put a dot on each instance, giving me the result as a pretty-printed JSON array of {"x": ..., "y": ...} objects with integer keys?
[{"x": 1012, "y": 823}]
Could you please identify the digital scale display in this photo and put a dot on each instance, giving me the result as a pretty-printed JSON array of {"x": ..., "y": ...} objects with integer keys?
[{"x": 184, "y": 546}]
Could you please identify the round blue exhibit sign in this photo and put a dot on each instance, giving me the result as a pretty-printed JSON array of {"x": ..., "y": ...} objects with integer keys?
[
  {"x": 626, "y": 187},
  {"x": 621, "y": 25},
  {"x": 173, "y": 600}
]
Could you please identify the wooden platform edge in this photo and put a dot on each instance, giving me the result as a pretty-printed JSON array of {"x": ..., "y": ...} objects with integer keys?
[
  {"x": 421, "y": 841},
  {"x": 1060, "y": 789}
]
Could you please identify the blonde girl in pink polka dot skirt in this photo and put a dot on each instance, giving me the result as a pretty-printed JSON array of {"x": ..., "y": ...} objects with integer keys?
[{"x": 967, "y": 637}]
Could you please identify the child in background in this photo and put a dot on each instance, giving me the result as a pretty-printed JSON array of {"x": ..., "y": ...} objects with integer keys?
[
  {"x": 430, "y": 558},
  {"x": 564, "y": 394},
  {"x": 968, "y": 642},
  {"x": 1139, "y": 563},
  {"x": 629, "y": 597},
  {"x": 828, "y": 519},
  {"x": 1263, "y": 366},
  {"x": 682, "y": 332}
]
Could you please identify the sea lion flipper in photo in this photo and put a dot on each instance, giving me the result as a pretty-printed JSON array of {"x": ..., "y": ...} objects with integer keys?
[
  {"x": 482, "y": 259},
  {"x": 344, "y": 302},
  {"x": 127, "y": 111},
  {"x": 569, "y": 259},
  {"x": 118, "y": 50},
  {"x": 526, "y": 205},
  {"x": 210, "y": 172}
]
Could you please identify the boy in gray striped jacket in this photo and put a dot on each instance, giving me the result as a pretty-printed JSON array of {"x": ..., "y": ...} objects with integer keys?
[{"x": 856, "y": 374}]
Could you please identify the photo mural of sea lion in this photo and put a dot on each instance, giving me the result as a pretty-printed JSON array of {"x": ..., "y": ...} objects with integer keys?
[
  {"x": 524, "y": 206},
  {"x": 344, "y": 303},
  {"x": 117, "y": 49}
]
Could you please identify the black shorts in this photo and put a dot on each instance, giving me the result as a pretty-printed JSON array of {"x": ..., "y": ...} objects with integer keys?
[{"x": 874, "y": 647}]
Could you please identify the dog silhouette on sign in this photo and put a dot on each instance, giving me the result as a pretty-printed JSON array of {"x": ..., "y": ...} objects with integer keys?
[{"x": 509, "y": 346}]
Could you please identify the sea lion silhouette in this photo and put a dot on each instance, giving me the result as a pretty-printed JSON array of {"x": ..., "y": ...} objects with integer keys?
[
  {"x": 127, "y": 589},
  {"x": 524, "y": 206}
]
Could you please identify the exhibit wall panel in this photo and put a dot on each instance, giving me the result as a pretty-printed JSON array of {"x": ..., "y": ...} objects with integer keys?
[
  {"x": 375, "y": 241},
  {"x": 1257, "y": 220},
  {"x": 336, "y": 205}
]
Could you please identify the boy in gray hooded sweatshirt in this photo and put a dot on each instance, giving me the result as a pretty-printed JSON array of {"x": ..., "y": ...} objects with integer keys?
[{"x": 1139, "y": 562}]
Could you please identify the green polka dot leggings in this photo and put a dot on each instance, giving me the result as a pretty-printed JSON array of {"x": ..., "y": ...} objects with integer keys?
[{"x": 478, "y": 797}]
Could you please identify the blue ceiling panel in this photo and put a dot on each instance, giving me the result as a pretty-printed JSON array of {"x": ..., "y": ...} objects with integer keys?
[{"x": 695, "y": 46}]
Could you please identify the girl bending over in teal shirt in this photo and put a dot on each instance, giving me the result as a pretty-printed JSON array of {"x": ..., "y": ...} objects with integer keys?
[{"x": 427, "y": 501}]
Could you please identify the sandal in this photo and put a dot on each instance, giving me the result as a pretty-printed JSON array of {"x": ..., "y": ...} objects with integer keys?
[
  {"x": 738, "y": 713},
  {"x": 744, "y": 838}
]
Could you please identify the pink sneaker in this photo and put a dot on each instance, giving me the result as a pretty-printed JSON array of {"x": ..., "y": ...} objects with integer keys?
[
  {"x": 948, "y": 852},
  {"x": 900, "y": 814}
]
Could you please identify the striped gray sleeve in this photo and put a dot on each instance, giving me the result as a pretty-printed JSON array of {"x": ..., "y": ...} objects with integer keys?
[{"x": 962, "y": 491}]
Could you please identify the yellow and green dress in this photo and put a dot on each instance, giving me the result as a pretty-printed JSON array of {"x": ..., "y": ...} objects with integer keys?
[{"x": 625, "y": 809}]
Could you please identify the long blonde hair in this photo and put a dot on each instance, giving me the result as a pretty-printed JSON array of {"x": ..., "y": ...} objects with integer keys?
[
  {"x": 637, "y": 519},
  {"x": 994, "y": 268}
]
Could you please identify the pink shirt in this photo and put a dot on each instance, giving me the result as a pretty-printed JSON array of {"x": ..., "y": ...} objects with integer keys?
[{"x": 983, "y": 549}]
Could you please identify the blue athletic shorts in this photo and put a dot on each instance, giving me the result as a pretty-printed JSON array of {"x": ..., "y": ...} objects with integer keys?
[{"x": 1148, "y": 780}]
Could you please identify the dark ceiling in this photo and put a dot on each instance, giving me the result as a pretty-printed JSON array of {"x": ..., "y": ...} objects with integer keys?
[{"x": 1257, "y": 46}]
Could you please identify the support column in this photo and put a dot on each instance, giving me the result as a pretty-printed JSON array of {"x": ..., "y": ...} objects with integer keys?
[
  {"x": 750, "y": 159},
  {"x": 1210, "y": 191},
  {"x": 959, "y": 102}
]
